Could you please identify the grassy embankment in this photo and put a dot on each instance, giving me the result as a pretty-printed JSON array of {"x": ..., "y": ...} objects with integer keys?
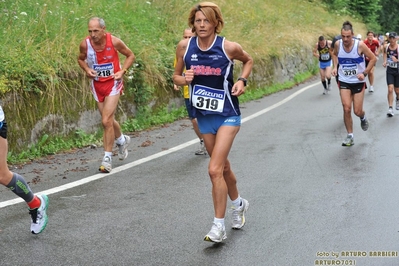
[{"x": 40, "y": 41}]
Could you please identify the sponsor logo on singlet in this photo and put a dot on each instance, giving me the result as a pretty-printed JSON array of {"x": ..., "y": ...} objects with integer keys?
[
  {"x": 206, "y": 70},
  {"x": 103, "y": 67},
  {"x": 203, "y": 92},
  {"x": 194, "y": 57},
  {"x": 215, "y": 57}
]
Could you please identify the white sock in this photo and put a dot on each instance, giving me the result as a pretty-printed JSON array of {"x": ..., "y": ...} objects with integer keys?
[
  {"x": 219, "y": 221},
  {"x": 237, "y": 202},
  {"x": 108, "y": 153},
  {"x": 121, "y": 139}
]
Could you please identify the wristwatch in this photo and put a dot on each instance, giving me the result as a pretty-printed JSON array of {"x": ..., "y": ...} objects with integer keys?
[
  {"x": 364, "y": 74},
  {"x": 243, "y": 80}
]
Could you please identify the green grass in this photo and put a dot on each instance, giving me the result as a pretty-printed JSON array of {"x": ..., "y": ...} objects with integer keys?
[
  {"x": 41, "y": 39},
  {"x": 52, "y": 145}
]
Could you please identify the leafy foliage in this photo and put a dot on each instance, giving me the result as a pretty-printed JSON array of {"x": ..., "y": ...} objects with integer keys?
[
  {"x": 388, "y": 15},
  {"x": 367, "y": 10}
]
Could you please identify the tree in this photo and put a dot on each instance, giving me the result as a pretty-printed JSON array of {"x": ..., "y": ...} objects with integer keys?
[
  {"x": 388, "y": 15},
  {"x": 367, "y": 10}
]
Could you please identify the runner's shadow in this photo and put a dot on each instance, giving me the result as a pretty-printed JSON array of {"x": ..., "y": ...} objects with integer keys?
[{"x": 216, "y": 247}]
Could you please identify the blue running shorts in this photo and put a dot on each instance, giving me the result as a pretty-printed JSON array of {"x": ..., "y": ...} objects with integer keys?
[
  {"x": 324, "y": 65},
  {"x": 189, "y": 109},
  {"x": 210, "y": 124}
]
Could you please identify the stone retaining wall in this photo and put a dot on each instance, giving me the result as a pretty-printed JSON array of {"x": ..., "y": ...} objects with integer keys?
[{"x": 79, "y": 112}]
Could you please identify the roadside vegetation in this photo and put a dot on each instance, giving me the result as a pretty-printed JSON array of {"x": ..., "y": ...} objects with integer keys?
[
  {"x": 40, "y": 42},
  {"x": 379, "y": 16}
]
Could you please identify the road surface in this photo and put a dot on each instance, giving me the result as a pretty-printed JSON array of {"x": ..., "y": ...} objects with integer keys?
[{"x": 312, "y": 201}]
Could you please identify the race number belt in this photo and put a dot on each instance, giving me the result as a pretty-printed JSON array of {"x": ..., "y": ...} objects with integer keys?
[{"x": 209, "y": 99}]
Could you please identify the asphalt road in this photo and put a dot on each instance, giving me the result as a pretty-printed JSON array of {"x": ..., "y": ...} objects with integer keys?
[{"x": 312, "y": 201}]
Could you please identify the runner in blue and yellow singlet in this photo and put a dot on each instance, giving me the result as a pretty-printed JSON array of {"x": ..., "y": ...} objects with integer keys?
[
  {"x": 187, "y": 33},
  {"x": 322, "y": 51}
]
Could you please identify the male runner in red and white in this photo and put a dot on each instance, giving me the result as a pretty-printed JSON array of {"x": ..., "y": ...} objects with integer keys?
[
  {"x": 373, "y": 44},
  {"x": 99, "y": 58}
]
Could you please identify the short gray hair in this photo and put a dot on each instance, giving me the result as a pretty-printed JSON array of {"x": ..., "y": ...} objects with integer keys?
[{"x": 100, "y": 21}]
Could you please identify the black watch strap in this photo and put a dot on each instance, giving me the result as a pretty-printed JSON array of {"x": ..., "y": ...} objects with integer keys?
[{"x": 243, "y": 80}]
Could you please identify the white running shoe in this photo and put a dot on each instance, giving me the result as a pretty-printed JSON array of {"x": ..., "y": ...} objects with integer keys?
[
  {"x": 217, "y": 233},
  {"x": 122, "y": 148},
  {"x": 39, "y": 216},
  {"x": 371, "y": 89},
  {"x": 390, "y": 112},
  {"x": 329, "y": 87},
  {"x": 201, "y": 150},
  {"x": 239, "y": 214},
  {"x": 349, "y": 141},
  {"x": 106, "y": 165}
]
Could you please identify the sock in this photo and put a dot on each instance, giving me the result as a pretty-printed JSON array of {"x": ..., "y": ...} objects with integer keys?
[
  {"x": 19, "y": 186},
  {"x": 237, "y": 202},
  {"x": 324, "y": 84},
  {"x": 121, "y": 139},
  {"x": 219, "y": 221},
  {"x": 390, "y": 107},
  {"x": 35, "y": 203},
  {"x": 350, "y": 134},
  {"x": 108, "y": 153},
  {"x": 363, "y": 118},
  {"x": 329, "y": 81}
]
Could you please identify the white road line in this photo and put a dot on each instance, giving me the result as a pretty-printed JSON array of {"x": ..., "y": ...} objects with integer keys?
[
  {"x": 149, "y": 158},
  {"x": 268, "y": 109}
]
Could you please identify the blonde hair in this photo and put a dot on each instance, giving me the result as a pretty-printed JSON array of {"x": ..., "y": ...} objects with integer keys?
[{"x": 211, "y": 11}]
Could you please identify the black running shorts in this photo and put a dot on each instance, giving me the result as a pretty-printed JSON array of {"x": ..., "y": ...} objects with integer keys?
[
  {"x": 3, "y": 129},
  {"x": 354, "y": 87}
]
